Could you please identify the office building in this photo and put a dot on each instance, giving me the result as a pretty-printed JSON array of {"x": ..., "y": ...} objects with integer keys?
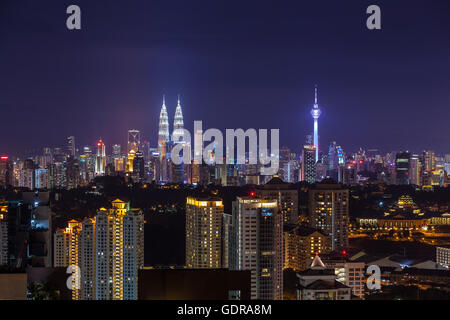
[
  {"x": 308, "y": 171},
  {"x": 257, "y": 245},
  {"x": 402, "y": 167},
  {"x": 163, "y": 141},
  {"x": 100, "y": 160},
  {"x": 134, "y": 140},
  {"x": 415, "y": 168},
  {"x": 429, "y": 160},
  {"x": 71, "y": 150}
]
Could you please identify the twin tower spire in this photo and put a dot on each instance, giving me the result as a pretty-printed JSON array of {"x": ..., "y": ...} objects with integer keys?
[{"x": 163, "y": 129}]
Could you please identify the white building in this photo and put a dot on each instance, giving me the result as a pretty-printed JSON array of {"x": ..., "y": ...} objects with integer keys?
[
  {"x": 350, "y": 273},
  {"x": 319, "y": 283}
]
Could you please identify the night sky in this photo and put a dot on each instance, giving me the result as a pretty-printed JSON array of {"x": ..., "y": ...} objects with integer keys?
[{"x": 235, "y": 63}]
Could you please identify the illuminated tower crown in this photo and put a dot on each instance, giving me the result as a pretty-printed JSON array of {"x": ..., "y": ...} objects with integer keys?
[
  {"x": 163, "y": 129},
  {"x": 315, "y": 113},
  {"x": 178, "y": 123}
]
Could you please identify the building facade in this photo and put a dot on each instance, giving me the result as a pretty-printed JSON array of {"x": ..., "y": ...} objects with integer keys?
[
  {"x": 257, "y": 245},
  {"x": 108, "y": 249},
  {"x": 328, "y": 211},
  {"x": 204, "y": 227}
]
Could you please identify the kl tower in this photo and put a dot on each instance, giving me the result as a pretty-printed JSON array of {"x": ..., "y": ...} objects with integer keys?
[{"x": 315, "y": 112}]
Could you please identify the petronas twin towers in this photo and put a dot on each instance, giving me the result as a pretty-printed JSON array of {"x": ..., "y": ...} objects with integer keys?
[{"x": 163, "y": 129}]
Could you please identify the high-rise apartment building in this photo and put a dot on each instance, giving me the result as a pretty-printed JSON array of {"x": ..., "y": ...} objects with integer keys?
[
  {"x": 204, "y": 227},
  {"x": 286, "y": 196},
  {"x": 257, "y": 245},
  {"x": 328, "y": 211},
  {"x": 301, "y": 244},
  {"x": 119, "y": 251},
  {"x": 87, "y": 269},
  {"x": 108, "y": 249}
]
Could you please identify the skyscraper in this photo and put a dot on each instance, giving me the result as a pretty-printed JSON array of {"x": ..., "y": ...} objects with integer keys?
[
  {"x": 67, "y": 251},
  {"x": 163, "y": 130},
  {"x": 71, "y": 146},
  {"x": 178, "y": 138},
  {"x": 402, "y": 167},
  {"x": 139, "y": 166},
  {"x": 134, "y": 140},
  {"x": 328, "y": 211},
  {"x": 333, "y": 161},
  {"x": 100, "y": 160},
  {"x": 429, "y": 160},
  {"x": 178, "y": 123},
  {"x": 116, "y": 151},
  {"x": 315, "y": 113},
  {"x": 119, "y": 251},
  {"x": 308, "y": 171},
  {"x": 414, "y": 170},
  {"x": 204, "y": 224},
  {"x": 6, "y": 172},
  {"x": 257, "y": 245},
  {"x": 163, "y": 140}
]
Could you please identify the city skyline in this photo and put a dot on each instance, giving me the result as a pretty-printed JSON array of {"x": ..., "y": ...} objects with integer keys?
[
  {"x": 168, "y": 130},
  {"x": 248, "y": 152},
  {"x": 228, "y": 75}
]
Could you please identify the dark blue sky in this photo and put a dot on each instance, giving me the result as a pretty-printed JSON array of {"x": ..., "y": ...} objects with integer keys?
[{"x": 249, "y": 64}]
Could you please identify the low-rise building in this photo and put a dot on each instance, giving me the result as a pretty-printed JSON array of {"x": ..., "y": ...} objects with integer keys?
[{"x": 319, "y": 283}]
